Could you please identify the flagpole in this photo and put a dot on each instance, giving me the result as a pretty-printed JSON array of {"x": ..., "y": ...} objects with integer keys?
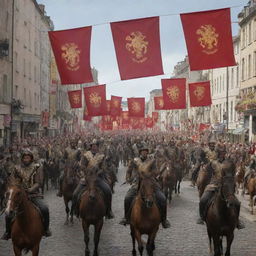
[{"x": 227, "y": 95}]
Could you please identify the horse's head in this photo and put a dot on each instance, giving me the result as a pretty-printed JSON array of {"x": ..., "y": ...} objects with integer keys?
[
  {"x": 147, "y": 190},
  {"x": 14, "y": 197},
  {"x": 91, "y": 181}
]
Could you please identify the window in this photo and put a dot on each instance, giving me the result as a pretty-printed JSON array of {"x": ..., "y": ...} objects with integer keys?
[
  {"x": 243, "y": 71},
  {"x": 220, "y": 83},
  {"x": 7, "y": 21},
  {"x": 232, "y": 78},
  {"x": 243, "y": 38},
  {"x": 250, "y": 33},
  {"x": 30, "y": 100},
  {"x": 249, "y": 66},
  {"x": 237, "y": 76},
  {"x": 223, "y": 83}
]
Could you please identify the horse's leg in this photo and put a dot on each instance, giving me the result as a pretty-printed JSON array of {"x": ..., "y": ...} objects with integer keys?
[
  {"x": 35, "y": 250},
  {"x": 139, "y": 241},
  {"x": 175, "y": 187},
  {"x": 179, "y": 186},
  {"x": 86, "y": 237},
  {"x": 17, "y": 251},
  {"x": 97, "y": 231},
  {"x": 210, "y": 241},
  {"x": 133, "y": 240},
  {"x": 67, "y": 211},
  {"x": 230, "y": 239},
  {"x": 151, "y": 242},
  {"x": 216, "y": 242}
]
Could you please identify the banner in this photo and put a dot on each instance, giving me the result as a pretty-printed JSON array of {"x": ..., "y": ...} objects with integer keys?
[
  {"x": 95, "y": 98},
  {"x": 125, "y": 117},
  {"x": 108, "y": 104},
  {"x": 137, "y": 46},
  {"x": 149, "y": 122},
  {"x": 200, "y": 94},
  {"x": 71, "y": 49},
  {"x": 75, "y": 98},
  {"x": 155, "y": 116},
  {"x": 86, "y": 116},
  {"x": 136, "y": 107},
  {"x": 159, "y": 103},
  {"x": 116, "y": 105},
  {"x": 209, "y": 39},
  {"x": 174, "y": 93}
]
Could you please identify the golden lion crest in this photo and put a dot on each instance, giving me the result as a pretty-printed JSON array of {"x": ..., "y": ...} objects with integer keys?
[
  {"x": 136, "y": 107},
  {"x": 76, "y": 98},
  {"x": 95, "y": 99},
  {"x": 199, "y": 92},
  {"x": 71, "y": 55},
  {"x": 208, "y": 39},
  {"x": 137, "y": 46},
  {"x": 173, "y": 93}
]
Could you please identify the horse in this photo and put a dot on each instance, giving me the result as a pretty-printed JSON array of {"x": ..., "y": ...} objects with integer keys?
[
  {"x": 145, "y": 216},
  {"x": 240, "y": 176},
  {"x": 168, "y": 180},
  {"x": 179, "y": 177},
  {"x": 92, "y": 210},
  {"x": 110, "y": 174},
  {"x": 202, "y": 180},
  {"x": 27, "y": 227},
  {"x": 252, "y": 191},
  {"x": 69, "y": 184},
  {"x": 222, "y": 215},
  {"x": 53, "y": 172},
  {"x": 3, "y": 186}
]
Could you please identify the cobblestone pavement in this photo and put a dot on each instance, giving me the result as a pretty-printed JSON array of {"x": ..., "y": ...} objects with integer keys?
[{"x": 184, "y": 238}]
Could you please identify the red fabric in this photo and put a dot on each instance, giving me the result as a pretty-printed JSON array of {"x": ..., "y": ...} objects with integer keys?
[
  {"x": 125, "y": 117},
  {"x": 149, "y": 122},
  {"x": 75, "y": 98},
  {"x": 95, "y": 98},
  {"x": 216, "y": 26},
  {"x": 200, "y": 94},
  {"x": 71, "y": 49},
  {"x": 142, "y": 57},
  {"x": 116, "y": 105},
  {"x": 203, "y": 127},
  {"x": 136, "y": 107},
  {"x": 86, "y": 116},
  {"x": 155, "y": 116},
  {"x": 108, "y": 104},
  {"x": 159, "y": 103},
  {"x": 137, "y": 123},
  {"x": 174, "y": 93}
]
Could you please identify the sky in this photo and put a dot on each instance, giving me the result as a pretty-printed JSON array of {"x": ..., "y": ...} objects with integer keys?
[{"x": 67, "y": 14}]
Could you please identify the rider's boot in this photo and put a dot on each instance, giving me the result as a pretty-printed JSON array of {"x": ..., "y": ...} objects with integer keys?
[{"x": 162, "y": 205}]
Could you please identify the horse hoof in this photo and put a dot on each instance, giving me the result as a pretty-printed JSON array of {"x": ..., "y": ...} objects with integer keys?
[
  {"x": 134, "y": 253},
  {"x": 87, "y": 253},
  {"x": 95, "y": 253}
]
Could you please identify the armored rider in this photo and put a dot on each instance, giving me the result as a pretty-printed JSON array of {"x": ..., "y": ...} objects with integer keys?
[
  {"x": 143, "y": 165},
  {"x": 90, "y": 159},
  {"x": 30, "y": 176},
  {"x": 215, "y": 167}
]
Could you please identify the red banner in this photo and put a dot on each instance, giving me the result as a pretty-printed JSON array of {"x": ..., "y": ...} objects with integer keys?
[
  {"x": 125, "y": 117},
  {"x": 174, "y": 93},
  {"x": 75, "y": 98},
  {"x": 136, "y": 107},
  {"x": 155, "y": 116},
  {"x": 200, "y": 94},
  {"x": 209, "y": 39},
  {"x": 203, "y": 127},
  {"x": 137, "y": 46},
  {"x": 71, "y": 49},
  {"x": 95, "y": 98},
  {"x": 108, "y": 104},
  {"x": 86, "y": 116},
  {"x": 159, "y": 103},
  {"x": 116, "y": 105},
  {"x": 149, "y": 122}
]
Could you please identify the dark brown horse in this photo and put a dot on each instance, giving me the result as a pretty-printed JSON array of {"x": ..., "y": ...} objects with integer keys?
[
  {"x": 203, "y": 179},
  {"x": 145, "y": 216},
  {"x": 69, "y": 184},
  {"x": 27, "y": 228},
  {"x": 92, "y": 210},
  {"x": 168, "y": 180},
  {"x": 222, "y": 216},
  {"x": 252, "y": 191},
  {"x": 240, "y": 176}
]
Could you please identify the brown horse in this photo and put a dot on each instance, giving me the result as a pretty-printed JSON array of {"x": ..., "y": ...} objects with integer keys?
[
  {"x": 168, "y": 180},
  {"x": 203, "y": 179},
  {"x": 69, "y": 184},
  {"x": 240, "y": 176},
  {"x": 92, "y": 210},
  {"x": 222, "y": 216},
  {"x": 252, "y": 191},
  {"x": 145, "y": 216},
  {"x": 27, "y": 228}
]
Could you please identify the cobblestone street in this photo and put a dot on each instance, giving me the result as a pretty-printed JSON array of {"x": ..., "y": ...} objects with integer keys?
[{"x": 184, "y": 237}]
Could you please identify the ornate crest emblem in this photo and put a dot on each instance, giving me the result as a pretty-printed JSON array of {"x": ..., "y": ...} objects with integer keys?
[
  {"x": 208, "y": 39},
  {"x": 161, "y": 103},
  {"x": 199, "y": 92},
  {"x": 76, "y": 98},
  {"x": 138, "y": 46},
  {"x": 95, "y": 99},
  {"x": 136, "y": 107},
  {"x": 71, "y": 55},
  {"x": 173, "y": 93}
]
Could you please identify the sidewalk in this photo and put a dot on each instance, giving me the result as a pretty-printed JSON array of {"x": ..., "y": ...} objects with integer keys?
[{"x": 245, "y": 211}]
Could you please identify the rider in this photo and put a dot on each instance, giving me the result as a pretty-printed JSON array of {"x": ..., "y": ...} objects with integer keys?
[
  {"x": 251, "y": 170},
  {"x": 215, "y": 168},
  {"x": 90, "y": 159},
  {"x": 30, "y": 176},
  {"x": 140, "y": 166}
]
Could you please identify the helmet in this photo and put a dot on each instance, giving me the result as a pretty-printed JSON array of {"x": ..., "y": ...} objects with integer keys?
[
  {"x": 143, "y": 147},
  {"x": 27, "y": 152}
]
